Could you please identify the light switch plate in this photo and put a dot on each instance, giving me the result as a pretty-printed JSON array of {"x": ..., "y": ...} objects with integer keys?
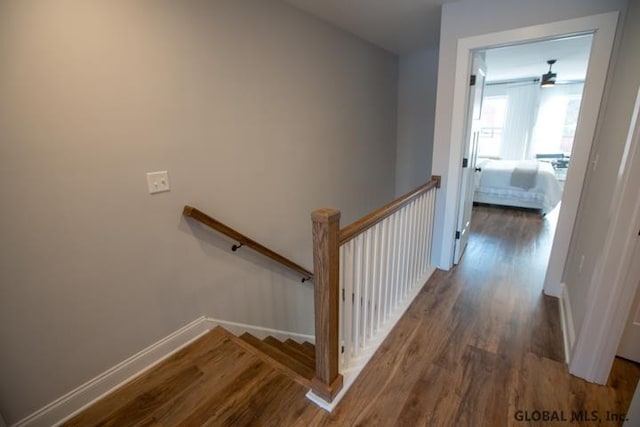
[{"x": 158, "y": 182}]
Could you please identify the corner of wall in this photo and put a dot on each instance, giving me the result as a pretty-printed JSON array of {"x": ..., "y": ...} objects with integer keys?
[{"x": 417, "y": 77}]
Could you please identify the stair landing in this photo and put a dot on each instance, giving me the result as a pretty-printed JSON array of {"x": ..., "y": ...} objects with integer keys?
[{"x": 219, "y": 379}]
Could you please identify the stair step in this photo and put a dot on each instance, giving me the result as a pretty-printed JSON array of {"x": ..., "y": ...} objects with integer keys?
[
  {"x": 298, "y": 370},
  {"x": 296, "y": 346},
  {"x": 309, "y": 349},
  {"x": 291, "y": 351}
]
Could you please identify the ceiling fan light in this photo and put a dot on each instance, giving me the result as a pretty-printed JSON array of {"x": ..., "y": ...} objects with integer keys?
[{"x": 548, "y": 80}]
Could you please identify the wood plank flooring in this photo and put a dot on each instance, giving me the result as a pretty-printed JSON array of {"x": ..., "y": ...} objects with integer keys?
[{"x": 480, "y": 346}]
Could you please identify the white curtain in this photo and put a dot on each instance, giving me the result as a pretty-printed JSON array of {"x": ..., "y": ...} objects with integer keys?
[
  {"x": 521, "y": 115},
  {"x": 548, "y": 130}
]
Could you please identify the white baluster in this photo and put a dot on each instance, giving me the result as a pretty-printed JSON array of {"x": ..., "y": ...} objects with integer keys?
[
  {"x": 432, "y": 197},
  {"x": 423, "y": 236},
  {"x": 426, "y": 260},
  {"x": 389, "y": 267},
  {"x": 398, "y": 261},
  {"x": 341, "y": 309},
  {"x": 415, "y": 242},
  {"x": 357, "y": 286},
  {"x": 348, "y": 302},
  {"x": 373, "y": 288},
  {"x": 381, "y": 272},
  {"x": 405, "y": 253},
  {"x": 366, "y": 284},
  {"x": 409, "y": 254},
  {"x": 427, "y": 230}
]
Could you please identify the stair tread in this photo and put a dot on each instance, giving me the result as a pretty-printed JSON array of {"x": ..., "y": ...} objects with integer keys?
[
  {"x": 309, "y": 347},
  {"x": 291, "y": 351},
  {"x": 309, "y": 350},
  {"x": 299, "y": 349},
  {"x": 278, "y": 357}
]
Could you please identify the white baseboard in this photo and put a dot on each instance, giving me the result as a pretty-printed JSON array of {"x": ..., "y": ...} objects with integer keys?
[
  {"x": 80, "y": 398},
  {"x": 566, "y": 321},
  {"x": 260, "y": 332},
  {"x": 75, "y": 401}
]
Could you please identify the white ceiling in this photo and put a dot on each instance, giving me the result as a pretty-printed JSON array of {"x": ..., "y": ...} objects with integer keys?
[
  {"x": 530, "y": 60},
  {"x": 399, "y": 26}
]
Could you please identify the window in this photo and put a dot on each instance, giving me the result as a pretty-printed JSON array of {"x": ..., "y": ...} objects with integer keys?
[
  {"x": 570, "y": 123},
  {"x": 557, "y": 119},
  {"x": 494, "y": 109}
]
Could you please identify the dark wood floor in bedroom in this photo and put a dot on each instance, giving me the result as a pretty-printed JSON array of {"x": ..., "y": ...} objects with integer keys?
[{"x": 479, "y": 346}]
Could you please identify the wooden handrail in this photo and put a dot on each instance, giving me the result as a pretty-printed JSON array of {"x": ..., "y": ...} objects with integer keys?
[
  {"x": 352, "y": 230},
  {"x": 205, "y": 219}
]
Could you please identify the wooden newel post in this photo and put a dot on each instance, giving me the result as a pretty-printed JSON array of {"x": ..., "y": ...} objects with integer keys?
[
  {"x": 326, "y": 227},
  {"x": 437, "y": 179}
]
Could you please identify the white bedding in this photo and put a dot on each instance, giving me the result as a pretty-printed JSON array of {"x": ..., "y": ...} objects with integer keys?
[{"x": 494, "y": 186}]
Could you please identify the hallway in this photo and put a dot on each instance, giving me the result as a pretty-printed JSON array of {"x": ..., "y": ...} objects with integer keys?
[{"x": 480, "y": 346}]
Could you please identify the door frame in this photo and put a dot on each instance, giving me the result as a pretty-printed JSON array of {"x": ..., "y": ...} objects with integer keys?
[
  {"x": 611, "y": 293},
  {"x": 603, "y": 27}
]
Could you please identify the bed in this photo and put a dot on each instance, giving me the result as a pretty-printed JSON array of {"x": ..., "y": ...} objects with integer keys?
[{"x": 526, "y": 184}]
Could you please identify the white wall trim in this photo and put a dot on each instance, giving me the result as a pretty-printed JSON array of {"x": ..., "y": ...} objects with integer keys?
[
  {"x": 76, "y": 400},
  {"x": 566, "y": 320},
  {"x": 614, "y": 282},
  {"x": 83, "y": 396},
  {"x": 603, "y": 26},
  {"x": 260, "y": 332}
]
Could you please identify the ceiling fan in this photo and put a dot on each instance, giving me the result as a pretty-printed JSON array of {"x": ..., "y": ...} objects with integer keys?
[{"x": 549, "y": 78}]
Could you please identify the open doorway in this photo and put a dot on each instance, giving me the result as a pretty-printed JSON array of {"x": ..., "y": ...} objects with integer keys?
[
  {"x": 449, "y": 132},
  {"x": 524, "y": 138},
  {"x": 448, "y": 148}
]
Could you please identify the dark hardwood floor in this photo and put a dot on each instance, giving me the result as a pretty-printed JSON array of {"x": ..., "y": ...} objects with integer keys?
[{"x": 480, "y": 346}]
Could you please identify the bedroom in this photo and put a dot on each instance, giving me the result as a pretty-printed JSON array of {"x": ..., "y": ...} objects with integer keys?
[{"x": 527, "y": 101}]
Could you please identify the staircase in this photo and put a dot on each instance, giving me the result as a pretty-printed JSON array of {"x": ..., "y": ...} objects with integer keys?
[
  {"x": 365, "y": 275},
  {"x": 219, "y": 379},
  {"x": 293, "y": 359}
]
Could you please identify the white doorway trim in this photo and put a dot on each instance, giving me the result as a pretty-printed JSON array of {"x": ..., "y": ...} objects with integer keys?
[
  {"x": 611, "y": 290},
  {"x": 603, "y": 27}
]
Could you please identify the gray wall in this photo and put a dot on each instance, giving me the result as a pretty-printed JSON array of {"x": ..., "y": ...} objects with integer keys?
[
  {"x": 613, "y": 127},
  {"x": 468, "y": 18},
  {"x": 259, "y": 112},
  {"x": 417, "y": 78}
]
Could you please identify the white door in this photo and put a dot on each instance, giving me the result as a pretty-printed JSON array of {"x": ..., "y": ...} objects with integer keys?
[
  {"x": 630, "y": 342},
  {"x": 469, "y": 153}
]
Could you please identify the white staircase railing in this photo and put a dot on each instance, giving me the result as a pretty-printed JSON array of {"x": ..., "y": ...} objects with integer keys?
[{"x": 383, "y": 260}]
